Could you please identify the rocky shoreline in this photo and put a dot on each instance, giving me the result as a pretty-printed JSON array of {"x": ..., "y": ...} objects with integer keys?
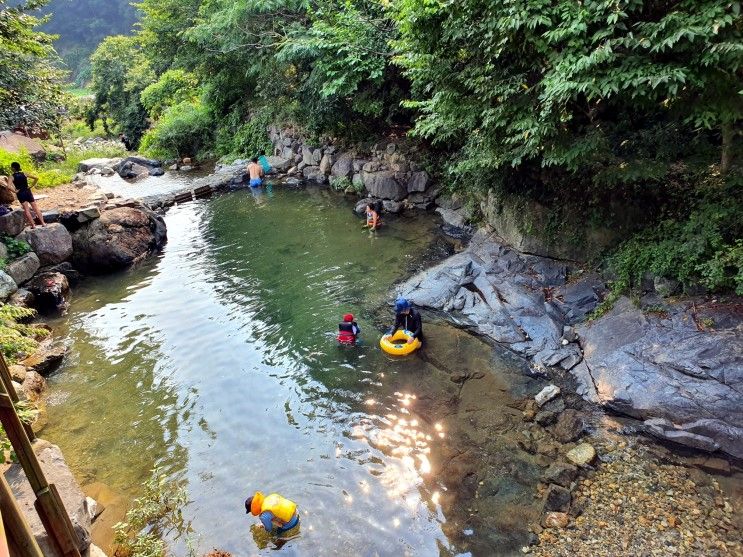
[{"x": 685, "y": 382}]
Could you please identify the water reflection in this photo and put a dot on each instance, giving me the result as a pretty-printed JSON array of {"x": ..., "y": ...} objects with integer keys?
[{"x": 220, "y": 362}]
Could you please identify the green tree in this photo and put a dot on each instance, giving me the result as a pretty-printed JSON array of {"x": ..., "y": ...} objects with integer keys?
[
  {"x": 30, "y": 92},
  {"x": 569, "y": 84},
  {"x": 120, "y": 73}
]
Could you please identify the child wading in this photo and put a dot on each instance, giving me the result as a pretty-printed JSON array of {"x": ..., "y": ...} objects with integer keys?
[
  {"x": 277, "y": 514},
  {"x": 348, "y": 330}
]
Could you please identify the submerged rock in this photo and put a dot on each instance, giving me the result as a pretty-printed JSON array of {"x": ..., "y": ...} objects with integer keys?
[
  {"x": 569, "y": 426},
  {"x": 51, "y": 291},
  {"x": 557, "y": 499},
  {"x": 57, "y": 472},
  {"x": 581, "y": 455},
  {"x": 560, "y": 473},
  {"x": 546, "y": 394},
  {"x": 118, "y": 239},
  {"x": 46, "y": 359}
]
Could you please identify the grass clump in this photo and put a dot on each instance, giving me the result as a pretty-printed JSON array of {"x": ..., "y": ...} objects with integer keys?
[{"x": 154, "y": 515}]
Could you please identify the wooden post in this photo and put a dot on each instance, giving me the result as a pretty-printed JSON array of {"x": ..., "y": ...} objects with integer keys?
[
  {"x": 15, "y": 523},
  {"x": 8, "y": 380},
  {"x": 48, "y": 504}
]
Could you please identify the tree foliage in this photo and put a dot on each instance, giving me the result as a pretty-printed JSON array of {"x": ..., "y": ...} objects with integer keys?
[
  {"x": 30, "y": 92},
  {"x": 121, "y": 71},
  {"x": 569, "y": 84}
]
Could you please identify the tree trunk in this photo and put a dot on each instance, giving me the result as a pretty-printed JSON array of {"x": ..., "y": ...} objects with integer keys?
[{"x": 728, "y": 133}]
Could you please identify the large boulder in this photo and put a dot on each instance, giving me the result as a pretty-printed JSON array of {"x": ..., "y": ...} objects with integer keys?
[
  {"x": 326, "y": 163},
  {"x": 383, "y": 185},
  {"x": 7, "y": 285},
  {"x": 280, "y": 164},
  {"x": 137, "y": 167},
  {"x": 12, "y": 223},
  {"x": 685, "y": 383},
  {"x": 118, "y": 239},
  {"x": 7, "y": 195},
  {"x": 418, "y": 181},
  {"x": 58, "y": 473},
  {"x": 51, "y": 291},
  {"x": 104, "y": 165},
  {"x": 343, "y": 167},
  {"x": 23, "y": 268},
  {"x": 314, "y": 174},
  {"x": 52, "y": 243},
  {"x": 47, "y": 358},
  {"x": 15, "y": 143},
  {"x": 500, "y": 293}
]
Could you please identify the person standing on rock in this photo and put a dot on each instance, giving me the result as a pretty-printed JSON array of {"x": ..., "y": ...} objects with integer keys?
[
  {"x": 407, "y": 319},
  {"x": 19, "y": 181},
  {"x": 256, "y": 173}
]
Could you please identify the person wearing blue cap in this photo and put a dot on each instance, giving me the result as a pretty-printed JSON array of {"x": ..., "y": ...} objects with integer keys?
[{"x": 407, "y": 319}]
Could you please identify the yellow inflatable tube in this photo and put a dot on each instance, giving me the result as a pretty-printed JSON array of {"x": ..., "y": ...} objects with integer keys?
[{"x": 398, "y": 345}]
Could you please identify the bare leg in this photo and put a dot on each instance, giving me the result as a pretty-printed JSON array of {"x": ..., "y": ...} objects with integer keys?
[
  {"x": 38, "y": 213},
  {"x": 27, "y": 211}
]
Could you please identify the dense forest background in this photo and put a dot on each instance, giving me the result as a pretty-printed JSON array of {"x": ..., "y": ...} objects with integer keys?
[{"x": 592, "y": 109}]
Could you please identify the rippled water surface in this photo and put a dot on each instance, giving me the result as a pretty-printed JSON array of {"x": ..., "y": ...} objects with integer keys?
[{"x": 217, "y": 361}]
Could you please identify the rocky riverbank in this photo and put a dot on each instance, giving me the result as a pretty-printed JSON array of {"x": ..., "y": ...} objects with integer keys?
[
  {"x": 90, "y": 233},
  {"x": 683, "y": 380}
]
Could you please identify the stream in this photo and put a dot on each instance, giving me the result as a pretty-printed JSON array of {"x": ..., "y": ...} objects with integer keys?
[{"x": 217, "y": 362}]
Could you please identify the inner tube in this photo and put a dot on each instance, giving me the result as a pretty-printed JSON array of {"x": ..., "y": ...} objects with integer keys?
[{"x": 397, "y": 344}]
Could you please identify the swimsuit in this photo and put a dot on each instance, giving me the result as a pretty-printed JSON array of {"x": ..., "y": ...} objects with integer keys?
[{"x": 255, "y": 182}]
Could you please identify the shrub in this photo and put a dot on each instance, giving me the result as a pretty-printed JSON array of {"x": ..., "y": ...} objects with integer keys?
[
  {"x": 17, "y": 339},
  {"x": 157, "y": 512},
  {"x": 54, "y": 173},
  {"x": 245, "y": 138},
  {"x": 173, "y": 87},
  {"x": 16, "y": 248},
  {"x": 184, "y": 130},
  {"x": 704, "y": 248}
]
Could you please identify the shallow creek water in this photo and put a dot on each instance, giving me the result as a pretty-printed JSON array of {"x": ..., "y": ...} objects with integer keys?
[{"x": 217, "y": 361}]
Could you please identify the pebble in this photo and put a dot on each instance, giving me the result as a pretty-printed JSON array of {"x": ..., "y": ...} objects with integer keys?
[{"x": 637, "y": 507}]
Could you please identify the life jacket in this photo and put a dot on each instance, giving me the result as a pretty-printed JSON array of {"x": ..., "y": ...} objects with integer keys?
[
  {"x": 280, "y": 507},
  {"x": 345, "y": 333}
]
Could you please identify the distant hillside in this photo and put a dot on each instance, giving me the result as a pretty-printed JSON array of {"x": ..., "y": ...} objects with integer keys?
[{"x": 82, "y": 25}]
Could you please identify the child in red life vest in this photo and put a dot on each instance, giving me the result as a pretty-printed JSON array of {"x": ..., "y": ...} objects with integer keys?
[{"x": 348, "y": 330}]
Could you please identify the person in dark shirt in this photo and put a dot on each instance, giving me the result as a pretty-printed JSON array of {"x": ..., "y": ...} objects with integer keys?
[
  {"x": 125, "y": 140},
  {"x": 19, "y": 181},
  {"x": 408, "y": 319}
]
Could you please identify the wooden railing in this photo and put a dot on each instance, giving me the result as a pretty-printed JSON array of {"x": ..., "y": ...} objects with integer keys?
[{"x": 48, "y": 504}]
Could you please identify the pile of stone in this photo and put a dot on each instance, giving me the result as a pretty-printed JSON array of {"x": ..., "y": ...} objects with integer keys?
[
  {"x": 633, "y": 505},
  {"x": 386, "y": 171}
]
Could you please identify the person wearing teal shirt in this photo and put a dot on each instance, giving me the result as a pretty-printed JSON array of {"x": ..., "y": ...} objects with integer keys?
[{"x": 263, "y": 161}]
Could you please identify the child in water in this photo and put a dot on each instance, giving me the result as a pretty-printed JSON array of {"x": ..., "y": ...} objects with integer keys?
[
  {"x": 373, "y": 215},
  {"x": 277, "y": 514},
  {"x": 348, "y": 330}
]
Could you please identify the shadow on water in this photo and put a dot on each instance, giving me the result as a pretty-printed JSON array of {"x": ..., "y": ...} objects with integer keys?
[{"x": 218, "y": 361}]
